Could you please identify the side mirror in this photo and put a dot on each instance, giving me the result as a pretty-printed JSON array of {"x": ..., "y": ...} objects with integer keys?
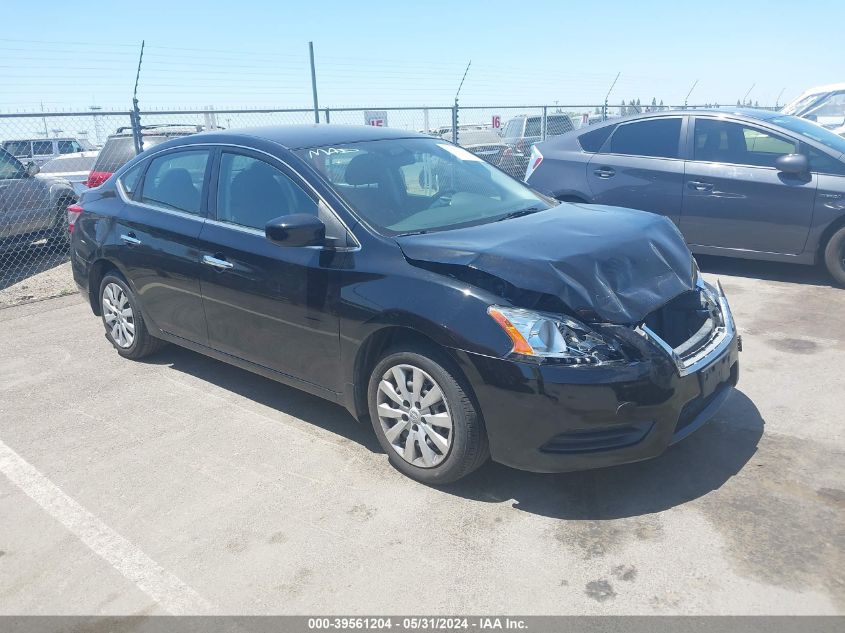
[
  {"x": 792, "y": 164},
  {"x": 297, "y": 229},
  {"x": 32, "y": 169}
]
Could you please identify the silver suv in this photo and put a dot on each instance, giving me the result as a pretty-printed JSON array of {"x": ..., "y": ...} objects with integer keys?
[
  {"x": 40, "y": 150},
  {"x": 30, "y": 208}
]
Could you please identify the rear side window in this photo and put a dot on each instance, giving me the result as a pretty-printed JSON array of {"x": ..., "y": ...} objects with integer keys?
[
  {"x": 656, "y": 138},
  {"x": 21, "y": 149},
  {"x": 68, "y": 147},
  {"x": 175, "y": 180},
  {"x": 42, "y": 148},
  {"x": 592, "y": 141},
  {"x": 557, "y": 125},
  {"x": 532, "y": 126},
  {"x": 131, "y": 178},
  {"x": 514, "y": 128}
]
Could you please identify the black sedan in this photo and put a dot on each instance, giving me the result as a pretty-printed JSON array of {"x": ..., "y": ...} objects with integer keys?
[
  {"x": 748, "y": 183},
  {"x": 418, "y": 286}
]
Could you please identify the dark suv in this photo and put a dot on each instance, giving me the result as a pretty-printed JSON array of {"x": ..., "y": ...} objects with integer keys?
[
  {"x": 120, "y": 148},
  {"x": 417, "y": 285}
]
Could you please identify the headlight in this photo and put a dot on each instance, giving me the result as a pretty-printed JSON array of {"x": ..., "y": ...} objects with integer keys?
[{"x": 552, "y": 338}]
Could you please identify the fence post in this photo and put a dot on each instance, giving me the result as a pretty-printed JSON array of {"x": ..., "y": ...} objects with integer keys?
[
  {"x": 545, "y": 121},
  {"x": 455, "y": 123},
  {"x": 135, "y": 121},
  {"x": 328, "y": 116},
  {"x": 314, "y": 82},
  {"x": 426, "y": 128}
]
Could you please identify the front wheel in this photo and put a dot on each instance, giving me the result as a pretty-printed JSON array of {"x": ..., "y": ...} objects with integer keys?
[
  {"x": 834, "y": 256},
  {"x": 424, "y": 418},
  {"x": 125, "y": 326}
]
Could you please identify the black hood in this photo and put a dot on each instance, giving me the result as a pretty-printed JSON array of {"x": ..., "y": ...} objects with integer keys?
[{"x": 617, "y": 264}]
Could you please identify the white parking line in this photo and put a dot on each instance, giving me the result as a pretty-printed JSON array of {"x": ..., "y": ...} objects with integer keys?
[{"x": 173, "y": 595}]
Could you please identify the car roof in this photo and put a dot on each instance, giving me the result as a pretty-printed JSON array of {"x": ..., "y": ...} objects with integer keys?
[
  {"x": 750, "y": 113},
  {"x": 317, "y": 135},
  {"x": 30, "y": 140}
]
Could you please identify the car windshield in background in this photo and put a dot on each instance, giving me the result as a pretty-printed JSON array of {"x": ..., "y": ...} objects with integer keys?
[
  {"x": 811, "y": 130},
  {"x": 420, "y": 184}
]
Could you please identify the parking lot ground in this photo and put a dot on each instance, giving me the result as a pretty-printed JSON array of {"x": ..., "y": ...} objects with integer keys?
[{"x": 185, "y": 485}]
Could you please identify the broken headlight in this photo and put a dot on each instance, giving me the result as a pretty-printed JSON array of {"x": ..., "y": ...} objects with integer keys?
[{"x": 554, "y": 338}]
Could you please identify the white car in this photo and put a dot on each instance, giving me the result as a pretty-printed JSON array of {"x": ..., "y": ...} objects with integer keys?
[
  {"x": 74, "y": 168},
  {"x": 823, "y": 104}
]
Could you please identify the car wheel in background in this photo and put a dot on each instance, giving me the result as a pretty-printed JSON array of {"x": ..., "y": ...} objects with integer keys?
[
  {"x": 125, "y": 327},
  {"x": 834, "y": 256},
  {"x": 424, "y": 417}
]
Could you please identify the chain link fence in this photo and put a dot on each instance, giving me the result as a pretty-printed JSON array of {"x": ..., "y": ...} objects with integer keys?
[{"x": 48, "y": 159}]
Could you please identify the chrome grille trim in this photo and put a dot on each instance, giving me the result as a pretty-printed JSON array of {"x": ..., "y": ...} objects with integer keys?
[{"x": 721, "y": 337}]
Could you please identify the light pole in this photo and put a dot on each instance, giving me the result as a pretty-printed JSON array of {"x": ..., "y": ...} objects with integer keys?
[{"x": 95, "y": 109}]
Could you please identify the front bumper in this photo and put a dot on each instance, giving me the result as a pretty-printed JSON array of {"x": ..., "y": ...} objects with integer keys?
[{"x": 552, "y": 418}]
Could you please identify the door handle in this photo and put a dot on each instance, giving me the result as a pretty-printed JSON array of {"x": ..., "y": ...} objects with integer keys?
[
  {"x": 130, "y": 239},
  {"x": 605, "y": 172},
  {"x": 699, "y": 186},
  {"x": 214, "y": 262}
]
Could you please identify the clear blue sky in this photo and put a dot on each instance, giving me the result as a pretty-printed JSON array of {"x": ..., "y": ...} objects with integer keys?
[{"x": 370, "y": 52}]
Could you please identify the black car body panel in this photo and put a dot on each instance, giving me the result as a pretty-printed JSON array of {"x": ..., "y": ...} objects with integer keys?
[
  {"x": 603, "y": 263},
  {"x": 315, "y": 316}
]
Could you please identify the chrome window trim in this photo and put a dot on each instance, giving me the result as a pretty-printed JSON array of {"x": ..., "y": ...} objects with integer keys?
[
  {"x": 724, "y": 336},
  {"x": 247, "y": 229}
]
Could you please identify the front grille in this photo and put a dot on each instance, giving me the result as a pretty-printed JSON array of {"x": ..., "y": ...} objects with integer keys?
[{"x": 690, "y": 327}]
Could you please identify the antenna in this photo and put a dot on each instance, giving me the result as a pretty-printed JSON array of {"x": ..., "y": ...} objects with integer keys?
[
  {"x": 694, "y": 84},
  {"x": 748, "y": 93},
  {"x": 462, "y": 81}
]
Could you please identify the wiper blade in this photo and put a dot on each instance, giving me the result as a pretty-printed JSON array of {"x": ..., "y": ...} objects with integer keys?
[{"x": 520, "y": 213}]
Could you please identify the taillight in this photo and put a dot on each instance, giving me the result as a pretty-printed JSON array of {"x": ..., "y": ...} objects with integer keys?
[
  {"x": 97, "y": 178},
  {"x": 73, "y": 213},
  {"x": 533, "y": 162}
]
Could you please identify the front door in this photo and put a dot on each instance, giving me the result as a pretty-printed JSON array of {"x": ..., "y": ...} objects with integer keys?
[
  {"x": 25, "y": 205},
  {"x": 269, "y": 304},
  {"x": 735, "y": 198},
  {"x": 640, "y": 167},
  {"x": 157, "y": 235}
]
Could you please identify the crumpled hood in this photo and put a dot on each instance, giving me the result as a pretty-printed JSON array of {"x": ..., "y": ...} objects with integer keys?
[{"x": 617, "y": 263}]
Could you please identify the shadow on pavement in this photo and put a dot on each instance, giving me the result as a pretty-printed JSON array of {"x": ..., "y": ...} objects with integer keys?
[
  {"x": 770, "y": 271},
  {"x": 698, "y": 465}
]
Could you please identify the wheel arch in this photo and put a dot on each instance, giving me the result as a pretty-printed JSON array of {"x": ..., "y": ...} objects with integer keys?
[
  {"x": 828, "y": 232},
  {"x": 99, "y": 269}
]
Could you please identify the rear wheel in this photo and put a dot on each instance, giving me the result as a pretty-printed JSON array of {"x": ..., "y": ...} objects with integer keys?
[
  {"x": 125, "y": 326},
  {"x": 424, "y": 418},
  {"x": 834, "y": 256}
]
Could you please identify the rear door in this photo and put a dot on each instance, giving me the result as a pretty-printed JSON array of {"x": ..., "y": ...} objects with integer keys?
[
  {"x": 272, "y": 305},
  {"x": 157, "y": 234},
  {"x": 640, "y": 167},
  {"x": 42, "y": 151},
  {"x": 735, "y": 198}
]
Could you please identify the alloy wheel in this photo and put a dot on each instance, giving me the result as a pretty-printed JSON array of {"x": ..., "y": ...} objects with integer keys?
[
  {"x": 118, "y": 315},
  {"x": 414, "y": 415}
]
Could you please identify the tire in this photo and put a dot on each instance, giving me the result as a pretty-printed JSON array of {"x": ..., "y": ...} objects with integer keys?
[
  {"x": 127, "y": 332},
  {"x": 436, "y": 455},
  {"x": 834, "y": 256}
]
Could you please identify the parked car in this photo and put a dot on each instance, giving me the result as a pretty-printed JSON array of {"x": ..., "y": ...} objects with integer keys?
[
  {"x": 40, "y": 150},
  {"x": 484, "y": 143},
  {"x": 747, "y": 183},
  {"x": 120, "y": 148},
  {"x": 74, "y": 168},
  {"x": 31, "y": 208},
  {"x": 824, "y": 105},
  {"x": 521, "y": 132},
  {"x": 406, "y": 279}
]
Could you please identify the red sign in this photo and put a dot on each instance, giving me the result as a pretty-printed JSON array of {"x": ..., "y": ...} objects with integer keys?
[{"x": 497, "y": 121}]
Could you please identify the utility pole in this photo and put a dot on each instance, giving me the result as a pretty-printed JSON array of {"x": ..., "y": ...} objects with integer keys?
[
  {"x": 136, "y": 113},
  {"x": 314, "y": 82},
  {"x": 686, "y": 99},
  {"x": 44, "y": 120},
  {"x": 607, "y": 96},
  {"x": 95, "y": 109},
  {"x": 455, "y": 109}
]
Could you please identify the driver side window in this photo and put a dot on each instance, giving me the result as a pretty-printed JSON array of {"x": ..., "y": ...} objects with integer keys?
[
  {"x": 10, "y": 167},
  {"x": 251, "y": 192}
]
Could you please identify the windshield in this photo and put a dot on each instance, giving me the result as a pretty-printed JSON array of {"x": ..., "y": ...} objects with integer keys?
[
  {"x": 811, "y": 130},
  {"x": 801, "y": 103},
  {"x": 414, "y": 185}
]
